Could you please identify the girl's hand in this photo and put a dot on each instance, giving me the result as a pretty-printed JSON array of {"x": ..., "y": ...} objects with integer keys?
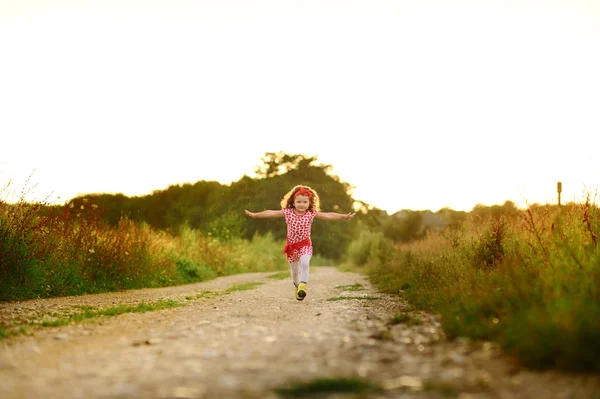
[
  {"x": 349, "y": 216},
  {"x": 251, "y": 214}
]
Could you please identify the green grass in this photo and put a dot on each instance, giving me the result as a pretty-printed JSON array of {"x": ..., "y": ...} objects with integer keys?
[
  {"x": 406, "y": 318},
  {"x": 7, "y": 333},
  {"x": 242, "y": 287},
  {"x": 279, "y": 276},
  {"x": 354, "y": 287},
  {"x": 90, "y": 313},
  {"x": 51, "y": 251},
  {"x": 347, "y": 298},
  {"x": 207, "y": 294},
  {"x": 326, "y": 386},
  {"x": 446, "y": 389}
]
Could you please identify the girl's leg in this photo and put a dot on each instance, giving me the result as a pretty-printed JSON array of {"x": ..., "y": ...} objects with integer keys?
[
  {"x": 295, "y": 270},
  {"x": 304, "y": 268}
]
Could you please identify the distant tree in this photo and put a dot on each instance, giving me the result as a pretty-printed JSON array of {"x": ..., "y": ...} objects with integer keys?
[
  {"x": 480, "y": 213},
  {"x": 282, "y": 172},
  {"x": 405, "y": 226},
  {"x": 113, "y": 206},
  {"x": 371, "y": 218},
  {"x": 453, "y": 218},
  {"x": 219, "y": 209},
  {"x": 508, "y": 209},
  {"x": 274, "y": 164}
]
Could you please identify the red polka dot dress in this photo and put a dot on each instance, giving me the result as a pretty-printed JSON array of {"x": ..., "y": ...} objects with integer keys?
[{"x": 298, "y": 229}]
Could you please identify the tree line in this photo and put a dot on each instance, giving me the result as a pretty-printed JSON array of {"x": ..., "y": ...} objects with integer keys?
[{"x": 218, "y": 210}]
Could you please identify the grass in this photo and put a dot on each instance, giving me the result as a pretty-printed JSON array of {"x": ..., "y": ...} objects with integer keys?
[
  {"x": 7, "y": 333},
  {"x": 202, "y": 295},
  {"x": 528, "y": 280},
  {"x": 354, "y": 287},
  {"x": 90, "y": 313},
  {"x": 242, "y": 287},
  {"x": 279, "y": 276},
  {"x": 446, "y": 389},
  {"x": 49, "y": 251},
  {"x": 409, "y": 318},
  {"x": 347, "y": 298},
  {"x": 87, "y": 313},
  {"x": 326, "y": 386}
]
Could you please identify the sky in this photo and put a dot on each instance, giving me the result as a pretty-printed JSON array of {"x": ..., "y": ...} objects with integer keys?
[{"x": 416, "y": 104}]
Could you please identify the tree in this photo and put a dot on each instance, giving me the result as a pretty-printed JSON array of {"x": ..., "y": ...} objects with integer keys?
[
  {"x": 215, "y": 208},
  {"x": 405, "y": 227},
  {"x": 274, "y": 164},
  {"x": 280, "y": 173}
]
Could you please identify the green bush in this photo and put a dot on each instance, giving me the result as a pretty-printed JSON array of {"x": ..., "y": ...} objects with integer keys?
[
  {"x": 190, "y": 271},
  {"x": 370, "y": 247}
]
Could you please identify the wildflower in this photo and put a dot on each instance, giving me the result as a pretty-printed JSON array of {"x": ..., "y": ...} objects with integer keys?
[
  {"x": 81, "y": 206},
  {"x": 71, "y": 205},
  {"x": 91, "y": 250}
]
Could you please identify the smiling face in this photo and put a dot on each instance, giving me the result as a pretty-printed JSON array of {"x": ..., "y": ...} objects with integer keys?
[{"x": 301, "y": 203}]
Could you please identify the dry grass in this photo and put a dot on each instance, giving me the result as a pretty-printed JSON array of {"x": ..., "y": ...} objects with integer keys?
[
  {"x": 69, "y": 250},
  {"x": 530, "y": 280}
]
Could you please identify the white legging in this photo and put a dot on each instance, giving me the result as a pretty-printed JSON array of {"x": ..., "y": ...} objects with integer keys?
[{"x": 299, "y": 269}]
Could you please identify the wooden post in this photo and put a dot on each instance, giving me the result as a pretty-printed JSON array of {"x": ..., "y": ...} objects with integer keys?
[{"x": 558, "y": 190}]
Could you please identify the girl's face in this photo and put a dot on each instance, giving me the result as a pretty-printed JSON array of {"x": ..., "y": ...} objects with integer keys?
[{"x": 301, "y": 203}]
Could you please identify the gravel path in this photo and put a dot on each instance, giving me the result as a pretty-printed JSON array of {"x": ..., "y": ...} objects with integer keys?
[{"x": 246, "y": 344}]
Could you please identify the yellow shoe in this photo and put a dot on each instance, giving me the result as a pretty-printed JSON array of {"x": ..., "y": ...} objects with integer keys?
[{"x": 301, "y": 291}]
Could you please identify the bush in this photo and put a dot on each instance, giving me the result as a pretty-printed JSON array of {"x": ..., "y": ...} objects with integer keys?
[
  {"x": 404, "y": 229},
  {"x": 370, "y": 247},
  {"x": 488, "y": 250}
]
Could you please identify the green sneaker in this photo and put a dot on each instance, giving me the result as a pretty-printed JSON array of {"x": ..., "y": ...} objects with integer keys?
[{"x": 301, "y": 292}]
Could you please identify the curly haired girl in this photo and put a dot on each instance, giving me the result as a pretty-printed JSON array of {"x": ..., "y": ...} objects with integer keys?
[{"x": 300, "y": 206}]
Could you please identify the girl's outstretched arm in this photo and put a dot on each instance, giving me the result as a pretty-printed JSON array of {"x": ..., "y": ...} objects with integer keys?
[
  {"x": 334, "y": 216},
  {"x": 265, "y": 214}
]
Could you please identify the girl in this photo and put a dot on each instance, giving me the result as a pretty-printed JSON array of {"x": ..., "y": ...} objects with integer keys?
[{"x": 300, "y": 206}]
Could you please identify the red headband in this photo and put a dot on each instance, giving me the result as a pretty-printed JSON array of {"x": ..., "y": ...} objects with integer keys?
[{"x": 303, "y": 191}]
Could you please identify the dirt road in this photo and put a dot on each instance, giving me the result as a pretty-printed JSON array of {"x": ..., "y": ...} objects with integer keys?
[{"x": 249, "y": 343}]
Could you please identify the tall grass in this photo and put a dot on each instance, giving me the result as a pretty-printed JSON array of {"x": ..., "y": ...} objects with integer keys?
[
  {"x": 69, "y": 250},
  {"x": 530, "y": 281},
  {"x": 201, "y": 257}
]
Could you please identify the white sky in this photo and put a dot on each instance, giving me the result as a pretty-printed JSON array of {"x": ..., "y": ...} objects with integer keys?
[{"x": 418, "y": 104}]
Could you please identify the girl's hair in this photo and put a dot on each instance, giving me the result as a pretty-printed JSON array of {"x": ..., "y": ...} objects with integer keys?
[{"x": 288, "y": 199}]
